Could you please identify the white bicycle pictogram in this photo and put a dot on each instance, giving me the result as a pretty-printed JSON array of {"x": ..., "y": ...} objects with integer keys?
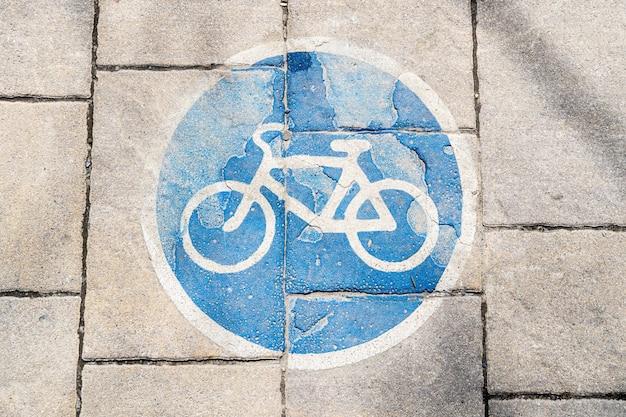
[{"x": 324, "y": 221}]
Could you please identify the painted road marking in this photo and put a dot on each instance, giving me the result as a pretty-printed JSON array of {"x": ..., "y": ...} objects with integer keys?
[
  {"x": 315, "y": 233},
  {"x": 327, "y": 220}
]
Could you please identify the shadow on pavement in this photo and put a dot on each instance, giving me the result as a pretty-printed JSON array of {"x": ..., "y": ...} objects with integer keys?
[{"x": 601, "y": 123}]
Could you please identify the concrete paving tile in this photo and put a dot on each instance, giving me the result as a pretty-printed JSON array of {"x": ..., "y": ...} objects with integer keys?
[
  {"x": 39, "y": 348},
  {"x": 136, "y": 115},
  {"x": 553, "y": 129},
  {"x": 319, "y": 262},
  {"x": 558, "y": 408},
  {"x": 432, "y": 40},
  {"x": 139, "y": 32},
  {"x": 183, "y": 390},
  {"x": 42, "y": 183},
  {"x": 341, "y": 102},
  {"x": 128, "y": 314},
  {"x": 556, "y": 311},
  {"x": 330, "y": 323},
  {"x": 436, "y": 371},
  {"x": 46, "y": 47},
  {"x": 232, "y": 278}
]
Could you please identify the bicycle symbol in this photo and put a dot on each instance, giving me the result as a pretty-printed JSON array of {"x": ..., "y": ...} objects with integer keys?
[{"x": 324, "y": 221}]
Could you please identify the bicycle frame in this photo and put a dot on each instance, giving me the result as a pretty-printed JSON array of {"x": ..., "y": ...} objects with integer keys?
[
  {"x": 351, "y": 173},
  {"x": 351, "y": 226}
]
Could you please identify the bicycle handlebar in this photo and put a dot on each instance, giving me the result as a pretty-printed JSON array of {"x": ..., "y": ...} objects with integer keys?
[{"x": 268, "y": 127}]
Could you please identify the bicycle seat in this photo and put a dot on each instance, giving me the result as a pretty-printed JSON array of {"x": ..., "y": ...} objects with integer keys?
[{"x": 351, "y": 146}]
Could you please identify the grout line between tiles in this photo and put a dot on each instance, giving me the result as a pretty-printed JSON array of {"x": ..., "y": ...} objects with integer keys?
[
  {"x": 284, "y": 359},
  {"x": 80, "y": 364}
]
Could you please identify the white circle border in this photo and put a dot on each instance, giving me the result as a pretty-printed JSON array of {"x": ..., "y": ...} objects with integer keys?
[{"x": 465, "y": 157}]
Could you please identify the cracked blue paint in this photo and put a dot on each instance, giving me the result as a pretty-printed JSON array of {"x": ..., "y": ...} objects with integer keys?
[
  {"x": 306, "y": 97},
  {"x": 358, "y": 108},
  {"x": 329, "y": 98},
  {"x": 426, "y": 165},
  {"x": 320, "y": 185},
  {"x": 412, "y": 113},
  {"x": 325, "y": 324}
]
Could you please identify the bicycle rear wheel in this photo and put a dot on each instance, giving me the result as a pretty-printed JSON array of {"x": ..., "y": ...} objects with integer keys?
[{"x": 431, "y": 218}]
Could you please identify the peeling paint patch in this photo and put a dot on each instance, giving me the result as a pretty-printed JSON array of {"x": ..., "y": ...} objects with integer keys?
[
  {"x": 309, "y": 108},
  {"x": 310, "y": 234},
  {"x": 321, "y": 325},
  {"x": 395, "y": 161},
  {"x": 442, "y": 253},
  {"x": 356, "y": 104},
  {"x": 320, "y": 184},
  {"x": 412, "y": 113}
]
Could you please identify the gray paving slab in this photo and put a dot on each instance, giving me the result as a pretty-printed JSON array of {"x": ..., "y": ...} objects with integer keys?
[
  {"x": 432, "y": 40},
  {"x": 553, "y": 129},
  {"x": 128, "y": 315},
  {"x": 42, "y": 183},
  {"x": 46, "y": 47},
  {"x": 140, "y": 32},
  {"x": 251, "y": 389},
  {"x": 39, "y": 348},
  {"x": 464, "y": 276},
  {"x": 557, "y": 408},
  {"x": 556, "y": 311},
  {"x": 436, "y": 371}
]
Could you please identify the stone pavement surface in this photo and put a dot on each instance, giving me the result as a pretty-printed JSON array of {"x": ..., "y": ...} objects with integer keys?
[{"x": 97, "y": 99}]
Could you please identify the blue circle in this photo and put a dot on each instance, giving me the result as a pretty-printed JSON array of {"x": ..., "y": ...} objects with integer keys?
[{"x": 309, "y": 278}]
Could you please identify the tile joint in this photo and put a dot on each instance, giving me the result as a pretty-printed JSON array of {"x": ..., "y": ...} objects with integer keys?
[
  {"x": 178, "y": 362},
  {"x": 162, "y": 67},
  {"x": 477, "y": 105},
  {"x": 483, "y": 301},
  {"x": 538, "y": 227},
  {"x": 504, "y": 396},
  {"x": 284, "y": 358},
  {"x": 467, "y": 292},
  {"x": 80, "y": 363},
  {"x": 38, "y": 294},
  {"x": 45, "y": 99}
]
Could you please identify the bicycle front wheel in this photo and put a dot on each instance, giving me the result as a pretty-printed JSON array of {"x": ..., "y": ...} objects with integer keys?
[
  {"x": 431, "y": 226},
  {"x": 212, "y": 191}
]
